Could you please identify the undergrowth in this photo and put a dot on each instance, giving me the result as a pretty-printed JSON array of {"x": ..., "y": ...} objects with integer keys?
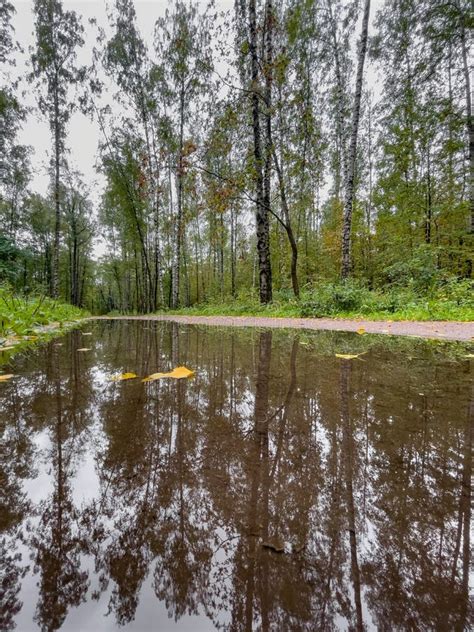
[
  {"x": 23, "y": 315},
  {"x": 451, "y": 300}
]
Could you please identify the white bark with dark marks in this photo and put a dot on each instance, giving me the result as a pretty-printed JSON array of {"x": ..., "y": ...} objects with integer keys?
[
  {"x": 351, "y": 160},
  {"x": 261, "y": 215}
]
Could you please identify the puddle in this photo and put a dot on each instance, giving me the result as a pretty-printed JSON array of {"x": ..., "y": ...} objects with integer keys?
[{"x": 280, "y": 488}]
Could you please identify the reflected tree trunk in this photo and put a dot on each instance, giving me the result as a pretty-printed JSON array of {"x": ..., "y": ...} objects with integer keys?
[
  {"x": 259, "y": 472},
  {"x": 63, "y": 584},
  {"x": 348, "y": 452},
  {"x": 464, "y": 525}
]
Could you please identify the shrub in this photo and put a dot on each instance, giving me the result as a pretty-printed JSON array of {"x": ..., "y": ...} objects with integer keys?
[
  {"x": 458, "y": 291},
  {"x": 330, "y": 298}
]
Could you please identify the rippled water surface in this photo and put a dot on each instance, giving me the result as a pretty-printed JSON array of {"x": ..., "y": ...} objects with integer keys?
[{"x": 281, "y": 488}]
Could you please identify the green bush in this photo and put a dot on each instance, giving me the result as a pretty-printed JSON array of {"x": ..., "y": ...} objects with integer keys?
[
  {"x": 419, "y": 272},
  {"x": 330, "y": 298},
  {"x": 460, "y": 292},
  {"x": 448, "y": 299}
]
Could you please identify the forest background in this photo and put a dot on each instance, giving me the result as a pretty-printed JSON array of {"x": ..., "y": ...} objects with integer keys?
[{"x": 302, "y": 157}]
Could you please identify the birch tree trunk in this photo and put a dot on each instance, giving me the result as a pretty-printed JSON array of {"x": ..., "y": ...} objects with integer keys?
[
  {"x": 261, "y": 216},
  {"x": 268, "y": 76},
  {"x": 340, "y": 134},
  {"x": 351, "y": 161}
]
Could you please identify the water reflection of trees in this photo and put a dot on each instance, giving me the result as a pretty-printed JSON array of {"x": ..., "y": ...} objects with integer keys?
[
  {"x": 56, "y": 541},
  {"x": 364, "y": 482},
  {"x": 15, "y": 466},
  {"x": 53, "y": 401}
]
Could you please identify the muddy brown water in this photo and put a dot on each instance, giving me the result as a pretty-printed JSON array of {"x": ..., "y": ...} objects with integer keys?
[{"x": 280, "y": 488}]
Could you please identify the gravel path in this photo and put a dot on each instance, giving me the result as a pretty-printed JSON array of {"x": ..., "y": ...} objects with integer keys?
[{"x": 442, "y": 330}]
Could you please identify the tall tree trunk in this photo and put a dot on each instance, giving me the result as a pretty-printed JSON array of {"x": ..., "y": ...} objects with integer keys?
[
  {"x": 469, "y": 120},
  {"x": 74, "y": 271},
  {"x": 233, "y": 288},
  {"x": 351, "y": 161},
  {"x": 286, "y": 222},
  {"x": 428, "y": 200},
  {"x": 158, "y": 291},
  {"x": 288, "y": 228},
  {"x": 221, "y": 256},
  {"x": 340, "y": 135},
  {"x": 179, "y": 216},
  {"x": 268, "y": 77},
  {"x": 261, "y": 215},
  {"x": 57, "y": 205}
]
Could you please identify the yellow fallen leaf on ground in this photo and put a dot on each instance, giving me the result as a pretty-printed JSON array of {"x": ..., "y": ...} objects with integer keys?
[
  {"x": 4, "y": 378},
  {"x": 123, "y": 376},
  {"x": 469, "y": 355},
  {"x": 84, "y": 349},
  {"x": 87, "y": 333},
  {"x": 348, "y": 356},
  {"x": 7, "y": 348},
  {"x": 177, "y": 373},
  {"x": 361, "y": 331}
]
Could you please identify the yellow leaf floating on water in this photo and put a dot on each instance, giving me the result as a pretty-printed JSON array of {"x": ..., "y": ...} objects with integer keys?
[
  {"x": 4, "y": 378},
  {"x": 84, "y": 349},
  {"x": 348, "y": 356},
  {"x": 123, "y": 376},
  {"x": 178, "y": 373},
  {"x": 155, "y": 376},
  {"x": 361, "y": 331}
]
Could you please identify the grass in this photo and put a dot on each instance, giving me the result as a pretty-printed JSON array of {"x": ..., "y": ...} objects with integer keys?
[
  {"x": 24, "y": 321},
  {"x": 451, "y": 301},
  {"x": 414, "y": 313},
  {"x": 22, "y": 316}
]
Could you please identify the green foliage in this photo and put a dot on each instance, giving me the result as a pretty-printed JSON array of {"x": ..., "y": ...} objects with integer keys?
[
  {"x": 176, "y": 215},
  {"x": 449, "y": 300},
  {"x": 21, "y": 316},
  {"x": 9, "y": 254},
  {"x": 418, "y": 272},
  {"x": 59, "y": 33},
  {"x": 328, "y": 299}
]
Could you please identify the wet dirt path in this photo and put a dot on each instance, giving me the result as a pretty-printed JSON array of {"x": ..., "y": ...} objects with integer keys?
[{"x": 441, "y": 330}]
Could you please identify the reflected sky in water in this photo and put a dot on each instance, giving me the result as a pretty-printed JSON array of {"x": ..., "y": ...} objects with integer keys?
[{"x": 280, "y": 488}]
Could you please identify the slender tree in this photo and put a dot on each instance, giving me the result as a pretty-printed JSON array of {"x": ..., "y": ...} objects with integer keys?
[
  {"x": 58, "y": 35},
  {"x": 183, "y": 48},
  {"x": 262, "y": 201},
  {"x": 351, "y": 159}
]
